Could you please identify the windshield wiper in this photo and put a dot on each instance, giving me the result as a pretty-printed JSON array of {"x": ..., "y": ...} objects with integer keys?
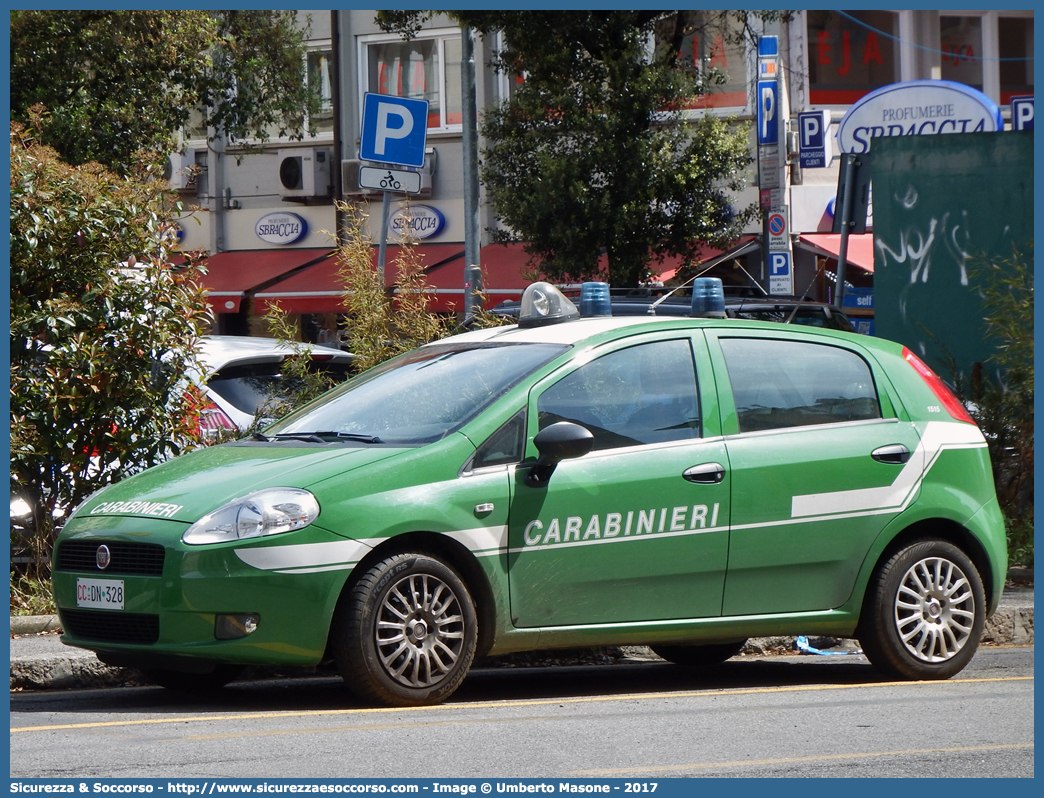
[
  {"x": 309, "y": 437},
  {"x": 321, "y": 437}
]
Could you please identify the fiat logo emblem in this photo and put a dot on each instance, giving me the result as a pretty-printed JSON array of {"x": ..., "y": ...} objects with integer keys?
[{"x": 103, "y": 557}]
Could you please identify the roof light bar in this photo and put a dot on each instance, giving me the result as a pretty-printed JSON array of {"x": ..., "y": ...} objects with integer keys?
[
  {"x": 594, "y": 300},
  {"x": 708, "y": 298},
  {"x": 542, "y": 304}
]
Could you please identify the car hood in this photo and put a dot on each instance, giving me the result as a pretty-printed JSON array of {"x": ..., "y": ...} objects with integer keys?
[{"x": 188, "y": 487}]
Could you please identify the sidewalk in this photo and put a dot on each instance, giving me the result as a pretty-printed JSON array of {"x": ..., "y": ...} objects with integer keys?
[{"x": 39, "y": 660}]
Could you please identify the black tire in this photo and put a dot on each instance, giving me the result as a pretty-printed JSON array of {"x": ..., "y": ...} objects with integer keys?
[
  {"x": 183, "y": 682},
  {"x": 924, "y": 612},
  {"x": 697, "y": 656},
  {"x": 405, "y": 634}
]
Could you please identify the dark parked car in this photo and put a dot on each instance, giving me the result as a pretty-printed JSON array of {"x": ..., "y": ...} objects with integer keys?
[{"x": 659, "y": 301}]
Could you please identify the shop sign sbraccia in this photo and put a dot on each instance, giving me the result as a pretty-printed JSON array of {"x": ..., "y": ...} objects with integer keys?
[
  {"x": 917, "y": 108},
  {"x": 424, "y": 221},
  {"x": 281, "y": 228}
]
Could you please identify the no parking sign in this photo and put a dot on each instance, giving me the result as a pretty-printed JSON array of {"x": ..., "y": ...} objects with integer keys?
[{"x": 777, "y": 228}]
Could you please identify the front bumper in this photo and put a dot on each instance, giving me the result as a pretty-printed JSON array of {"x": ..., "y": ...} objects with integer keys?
[{"x": 173, "y": 593}]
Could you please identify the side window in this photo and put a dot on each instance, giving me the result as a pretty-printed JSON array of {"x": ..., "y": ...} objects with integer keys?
[
  {"x": 643, "y": 394},
  {"x": 504, "y": 446},
  {"x": 778, "y": 383}
]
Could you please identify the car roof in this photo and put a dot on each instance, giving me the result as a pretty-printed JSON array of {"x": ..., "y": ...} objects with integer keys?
[
  {"x": 575, "y": 331},
  {"x": 218, "y": 351}
]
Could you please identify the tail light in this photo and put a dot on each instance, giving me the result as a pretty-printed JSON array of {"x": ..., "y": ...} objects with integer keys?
[
  {"x": 952, "y": 404},
  {"x": 210, "y": 418},
  {"x": 213, "y": 420}
]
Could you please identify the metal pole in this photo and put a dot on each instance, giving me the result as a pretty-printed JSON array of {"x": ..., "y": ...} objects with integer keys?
[
  {"x": 472, "y": 231},
  {"x": 383, "y": 249},
  {"x": 846, "y": 223}
]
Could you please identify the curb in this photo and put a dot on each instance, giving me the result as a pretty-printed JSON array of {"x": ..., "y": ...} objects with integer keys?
[{"x": 34, "y": 624}]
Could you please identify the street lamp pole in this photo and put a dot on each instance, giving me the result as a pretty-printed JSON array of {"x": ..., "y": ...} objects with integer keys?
[{"x": 472, "y": 272}]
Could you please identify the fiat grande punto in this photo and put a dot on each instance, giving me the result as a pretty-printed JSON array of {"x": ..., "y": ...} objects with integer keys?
[{"x": 683, "y": 483}]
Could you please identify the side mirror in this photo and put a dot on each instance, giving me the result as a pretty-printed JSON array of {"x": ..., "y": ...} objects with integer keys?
[{"x": 561, "y": 441}]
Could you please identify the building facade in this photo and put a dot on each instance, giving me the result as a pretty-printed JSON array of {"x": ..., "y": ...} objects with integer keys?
[{"x": 269, "y": 218}]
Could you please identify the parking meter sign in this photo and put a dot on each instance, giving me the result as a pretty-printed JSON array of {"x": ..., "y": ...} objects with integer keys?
[{"x": 394, "y": 129}]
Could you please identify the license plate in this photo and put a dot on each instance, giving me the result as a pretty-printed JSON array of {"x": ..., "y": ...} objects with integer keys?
[{"x": 102, "y": 594}]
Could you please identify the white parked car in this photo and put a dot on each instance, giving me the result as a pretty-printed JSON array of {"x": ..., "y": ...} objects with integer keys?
[
  {"x": 244, "y": 373},
  {"x": 241, "y": 375}
]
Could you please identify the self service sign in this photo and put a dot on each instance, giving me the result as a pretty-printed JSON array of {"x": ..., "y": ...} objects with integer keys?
[{"x": 393, "y": 129}]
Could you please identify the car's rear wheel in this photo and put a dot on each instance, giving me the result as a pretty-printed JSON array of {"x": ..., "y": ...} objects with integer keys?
[
  {"x": 405, "y": 634},
  {"x": 697, "y": 656},
  {"x": 924, "y": 612},
  {"x": 183, "y": 682}
]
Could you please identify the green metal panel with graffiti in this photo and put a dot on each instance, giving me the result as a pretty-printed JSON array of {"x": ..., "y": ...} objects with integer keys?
[{"x": 941, "y": 203}]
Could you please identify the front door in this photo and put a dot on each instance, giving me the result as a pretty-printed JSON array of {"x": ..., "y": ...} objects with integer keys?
[{"x": 637, "y": 530}]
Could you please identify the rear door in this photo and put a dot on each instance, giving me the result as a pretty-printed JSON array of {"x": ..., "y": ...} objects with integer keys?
[{"x": 819, "y": 464}]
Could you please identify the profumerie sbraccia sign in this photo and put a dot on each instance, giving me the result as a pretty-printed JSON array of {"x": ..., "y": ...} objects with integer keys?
[
  {"x": 917, "y": 108},
  {"x": 281, "y": 228}
]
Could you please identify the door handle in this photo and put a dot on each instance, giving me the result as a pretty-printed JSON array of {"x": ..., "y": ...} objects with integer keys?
[
  {"x": 896, "y": 454},
  {"x": 705, "y": 474}
]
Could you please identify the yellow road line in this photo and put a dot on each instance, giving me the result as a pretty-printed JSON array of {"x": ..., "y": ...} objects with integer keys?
[
  {"x": 499, "y": 704},
  {"x": 795, "y": 760}
]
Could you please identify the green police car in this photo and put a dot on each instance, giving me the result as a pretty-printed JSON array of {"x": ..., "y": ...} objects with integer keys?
[{"x": 683, "y": 483}]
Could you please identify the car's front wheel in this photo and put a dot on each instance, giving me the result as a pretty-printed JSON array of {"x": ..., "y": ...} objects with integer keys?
[
  {"x": 924, "y": 612},
  {"x": 405, "y": 634}
]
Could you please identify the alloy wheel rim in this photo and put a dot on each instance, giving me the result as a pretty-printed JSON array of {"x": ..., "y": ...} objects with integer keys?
[
  {"x": 419, "y": 631},
  {"x": 934, "y": 610}
]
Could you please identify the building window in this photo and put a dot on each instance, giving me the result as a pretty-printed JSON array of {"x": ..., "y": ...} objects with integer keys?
[
  {"x": 424, "y": 68},
  {"x": 319, "y": 68},
  {"x": 961, "y": 41},
  {"x": 1015, "y": 36},
  {"x": 850, "y": 56},
  {"x": 713, "y": 49}
]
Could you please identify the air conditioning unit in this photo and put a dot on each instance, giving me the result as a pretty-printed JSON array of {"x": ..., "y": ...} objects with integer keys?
[
  {"x": 350, "y": 177},
  {"x": 305, "y": 172},
  {"x": 181, "y": 172}
]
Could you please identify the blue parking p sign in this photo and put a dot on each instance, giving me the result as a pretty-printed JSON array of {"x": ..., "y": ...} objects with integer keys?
[
  {"x": 394, "y": 129},
  {"x": 814, "y": 150}
]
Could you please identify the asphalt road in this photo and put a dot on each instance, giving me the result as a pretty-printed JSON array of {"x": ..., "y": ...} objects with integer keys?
[{"x": 780, "y": 716}]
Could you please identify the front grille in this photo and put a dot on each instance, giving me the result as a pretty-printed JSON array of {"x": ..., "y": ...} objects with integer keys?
[
  {"x": 111, "y": 627},
  {"x": 128, "y": 559}
]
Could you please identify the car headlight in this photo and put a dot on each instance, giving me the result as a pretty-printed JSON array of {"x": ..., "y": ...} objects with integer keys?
[{"x": 265, "y": 512}]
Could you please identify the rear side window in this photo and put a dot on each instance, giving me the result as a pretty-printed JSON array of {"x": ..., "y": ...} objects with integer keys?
[{"x": 779, "y": 383}]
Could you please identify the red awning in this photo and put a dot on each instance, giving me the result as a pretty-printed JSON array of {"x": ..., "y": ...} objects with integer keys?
[
  {"x": 828, "y": 245},
  {"x": 232, "y": 275},
  {"x": 317, "y": 289},
  {"x": 502, "y": 266}
]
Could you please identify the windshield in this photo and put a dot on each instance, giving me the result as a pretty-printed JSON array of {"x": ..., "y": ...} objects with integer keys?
[{"x": 419, "y": 397}]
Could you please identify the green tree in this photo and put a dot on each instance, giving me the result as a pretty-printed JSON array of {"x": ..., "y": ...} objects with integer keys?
[
  {"x": 114, "y": 84},
  {"x": 1002, "y": 399},
  {"x": 102, "y": 330},
  {"x": 593, "y": 151}
]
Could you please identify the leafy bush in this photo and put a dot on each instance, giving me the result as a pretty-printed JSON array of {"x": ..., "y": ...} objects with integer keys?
[{"x": 102, "y": 332}]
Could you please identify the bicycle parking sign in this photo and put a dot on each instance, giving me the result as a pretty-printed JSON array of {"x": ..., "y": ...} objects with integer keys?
[{"x": 399, "y": 180}]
